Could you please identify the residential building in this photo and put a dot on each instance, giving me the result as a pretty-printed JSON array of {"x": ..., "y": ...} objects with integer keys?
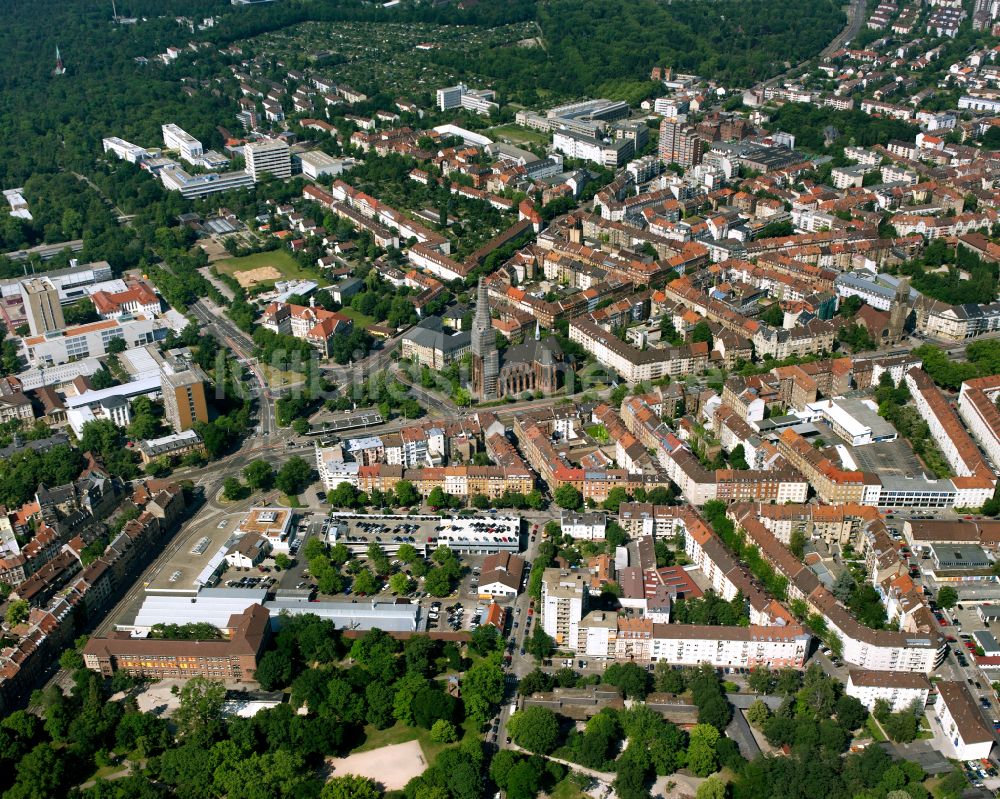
[
  {"x": 902, "y": 690},
  {"x": 564, "y": 601},
  {"x": 679, "y": 143},
  {"x": 172, "y": 446},
  {"x": 961, "y": 722},
  {"x": 184, "y": 399},
  {"x": 584, "y": 526},
  {"x": 317, "y": 326},
  {"x": 41, "y": 306}
]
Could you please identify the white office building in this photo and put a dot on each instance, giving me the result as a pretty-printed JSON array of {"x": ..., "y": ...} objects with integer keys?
[
  {"x": 187, "y": 146},
  {"x": 192, "y": 186},
  {"x": 91, "y": 340},
  {"x": 481, "y": 101},
  {"x": 316, "y": 163},
  {"x": 268, "y": 157},
  {"x": 127, "y": 151}
]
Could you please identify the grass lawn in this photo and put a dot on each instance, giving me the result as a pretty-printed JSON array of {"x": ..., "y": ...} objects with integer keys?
[
  {"x": 276, "y": 378},
  {"x": 399, "y": 733},
  {"x": 875, "y": 730},
  {"x": 289, "y": 501},
  {"x": 520, "y": 135},
  {"x": 281, "y": 260},
  {"x": 566, "y": 789},
  {"x": 359, "y": 319}
]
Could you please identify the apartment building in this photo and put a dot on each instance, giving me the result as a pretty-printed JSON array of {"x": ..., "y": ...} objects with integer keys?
[
  {"x": 611, "y": 154},
  {"x": 975, "y": 481},
  {"x": 184, "y": 400},
  {"x": 977, "y": 407},
  {"x": 901, "y": 690},
  {"x": 584, "y": 526},
  {"x": 679, "y": 143},
  {"x": 232, "y": 659},
  {"x": 635, "y": 365},
  {"x": 955, "y": 322},
  {"x": 961, "y": 721},
  {"x": 41, "y": 305},
  {"x": 268, "y": 157},
  {"x": 832, "y": 484},
  {"x": 564, "y": 601}
]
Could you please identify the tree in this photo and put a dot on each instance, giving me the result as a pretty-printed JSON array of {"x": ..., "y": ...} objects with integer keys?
[
  {"x": 259, "y": 475},
  {"x": 760, "y": 680},
  {"x": 485, "y": 639},
  {"x": 668, "y": 679},
  {"x": 438, "y": 582},
  {"x": 851, "y": 714},
  {"x": 400, "y": 584},
  {"x": 443, "y": 732},
  {"x": 712, "y": 788},
  {"x": 758, "y": 714},
  {"x": 482, "y": 688},
  {"x": 17, "y": 612},
  {"x": 702, "y": 332},
  {"x": 902, "y": 726},
  {"x": 566, "y": 496},
  {"x": 200, "y": 705},
  {"x": 406, "y": 493},
  {"x": 539, "y": 643},
  {"x": 117, "y": 346},
  {"x": 947, "y": 597},
  {"x": 294, "y": 476},
  {"x": 702, "y": 759},
  {"x": 351, "y": 786},
  {"x": 364, "y": 582},
  {"x": 431, "y": 704},
  {"x": 274, "y": 670},
  {"x": 535, "y": 729},
  {"x": 407, "y": 553},
  {"x": 232, "y": 489},
  {"x": 738, "y": 457},
  {"x": 632, "y": 679}
]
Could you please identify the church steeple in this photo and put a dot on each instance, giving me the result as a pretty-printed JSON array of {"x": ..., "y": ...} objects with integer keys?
[{"x": 485, "y": 358}]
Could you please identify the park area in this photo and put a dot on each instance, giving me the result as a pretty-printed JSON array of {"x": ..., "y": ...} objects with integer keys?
[{"x": 265, "y": 268}]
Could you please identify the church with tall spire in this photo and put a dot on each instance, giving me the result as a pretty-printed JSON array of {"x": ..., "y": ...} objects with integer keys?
[
  {"x": 485, "y": 356},
  {"x": 534, "y": 365}
]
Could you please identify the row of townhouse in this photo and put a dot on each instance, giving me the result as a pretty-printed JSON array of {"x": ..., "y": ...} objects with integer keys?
[
  {"x": 977, "y": 407},
  {"x": 82, "y": 593},
  {"x": 919, "y": 647},
  {"x": 835, "y": 484},
  {"x": 535, "y": 433},
  {"x": 974, "y": 479},
  {"x": 940, "y": 320},
  {"x": 934, "y": 227},
  {"x": 459, "y": 481}
]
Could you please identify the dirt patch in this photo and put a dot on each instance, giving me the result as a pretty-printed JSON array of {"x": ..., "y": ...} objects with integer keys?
[
  {"x": 252, "y": 277},
  {"x": 393, "y": 766}
]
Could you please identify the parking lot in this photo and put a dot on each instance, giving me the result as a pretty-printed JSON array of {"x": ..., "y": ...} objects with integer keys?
[{"x": 389, "y": 532}]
